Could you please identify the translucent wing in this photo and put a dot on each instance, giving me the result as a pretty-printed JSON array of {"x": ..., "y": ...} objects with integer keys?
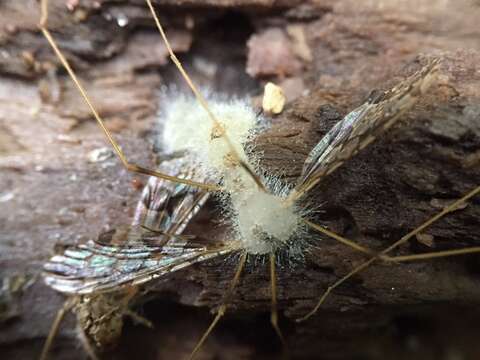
[
  {"x": 362, "y": 126},
  {"x": 136, "y": 254},
  {"x": 168, "y": 206},
  {"x": 94, "y": 267}
]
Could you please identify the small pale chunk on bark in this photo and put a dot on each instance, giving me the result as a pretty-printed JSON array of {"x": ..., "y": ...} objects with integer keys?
[{"x": 273, "y": 99}]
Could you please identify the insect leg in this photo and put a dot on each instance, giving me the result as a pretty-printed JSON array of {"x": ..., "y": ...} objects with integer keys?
[
  {"x": 274, "y": 312},
  {"x": 129, "y": 166},
  {"x": 385, "y": 258},
  {"x": 67, "y": 305},
  {"x": 432, "y": 254},
  {"x": 335, "y": 285},
  {"x": 87, "y": 346},
  {"x": 223, "y": 307},
  {"x": 218, "y": 126},
  {"x": 339, "y": 238},
  {"x": 139, "y": 319},
  {"x": 402, "y": 240},
  {"x": 130, "y": 293}
]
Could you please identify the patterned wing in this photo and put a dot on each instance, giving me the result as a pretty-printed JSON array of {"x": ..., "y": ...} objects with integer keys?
[
  {"x": 150, "y": 248},
  {"x": 362, "y": 126},
  {"x": 94, "y": 267},
  {"x": 168, "y": 206}
]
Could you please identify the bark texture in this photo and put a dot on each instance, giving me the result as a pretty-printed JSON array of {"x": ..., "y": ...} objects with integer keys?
[{"x": 60, "y": 183}]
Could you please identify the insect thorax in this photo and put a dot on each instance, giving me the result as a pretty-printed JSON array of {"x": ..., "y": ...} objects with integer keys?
[{"x": 262, "y": 220}]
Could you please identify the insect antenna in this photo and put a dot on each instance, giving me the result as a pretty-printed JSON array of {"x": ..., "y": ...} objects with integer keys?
[
  {"x": 383, "y": 254},
  {"x": 218, "y": 128},
  {"x": 223, "y": 307},
  {"x": 129, "y": 166}
]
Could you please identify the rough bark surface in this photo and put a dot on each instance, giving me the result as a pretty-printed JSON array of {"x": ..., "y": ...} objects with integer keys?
[{"x": 61, "y": 185}]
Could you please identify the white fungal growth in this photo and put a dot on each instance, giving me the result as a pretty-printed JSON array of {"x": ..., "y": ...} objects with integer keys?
[
  {"x": 263, "y": 222},
  {"x": 260, "y": 219},
  {"x": 189, "y": 127}
]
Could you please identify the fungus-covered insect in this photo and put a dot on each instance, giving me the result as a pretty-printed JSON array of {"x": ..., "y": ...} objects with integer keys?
[{"x": 267, "y": 217}]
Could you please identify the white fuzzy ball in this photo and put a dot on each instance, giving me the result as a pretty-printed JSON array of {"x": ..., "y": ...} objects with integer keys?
[
  {"x": 187, "y": 126},
  {"x": 263, "y": 222}
]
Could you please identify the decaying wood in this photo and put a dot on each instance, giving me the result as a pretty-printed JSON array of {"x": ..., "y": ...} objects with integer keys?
[{"x": 56, "y": 190}]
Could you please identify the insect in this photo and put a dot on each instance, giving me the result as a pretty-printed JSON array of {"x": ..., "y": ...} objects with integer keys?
[{"x": 267, "y": 217}]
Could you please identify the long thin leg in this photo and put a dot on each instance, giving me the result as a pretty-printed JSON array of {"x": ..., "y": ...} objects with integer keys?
[
  {"x": 139, "y": 318},
  {"x": 223, "y": 307},
  {"x": 335, "y": 285},
  {"x": 274, "y": 312},
  {"x": 130, "y": 293},
  {"x": 387, "y": 258},
  {"x": 432, "y": 255},
  {"x": 339, "y": 238},
  {"x": 67, "y": 305},
  {"x": 89, "y": 349},
  {"x": 429, "y": 255},
  {"x": 217, "y": 125},
  {"x": 129, "y": 166},
  {"x": 404, "y": 239}
]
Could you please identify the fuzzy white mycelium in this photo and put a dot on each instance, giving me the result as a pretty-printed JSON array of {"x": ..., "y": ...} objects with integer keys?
[{"x": 262, "y": 221}]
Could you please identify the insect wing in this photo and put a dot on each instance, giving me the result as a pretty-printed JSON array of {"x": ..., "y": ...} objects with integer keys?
[
  {"x": 167, "y": 206},
  {"x": 363, "y": 125},
  {"x": 150, "y": 248},
  {"x": 94, "y": 267}
]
